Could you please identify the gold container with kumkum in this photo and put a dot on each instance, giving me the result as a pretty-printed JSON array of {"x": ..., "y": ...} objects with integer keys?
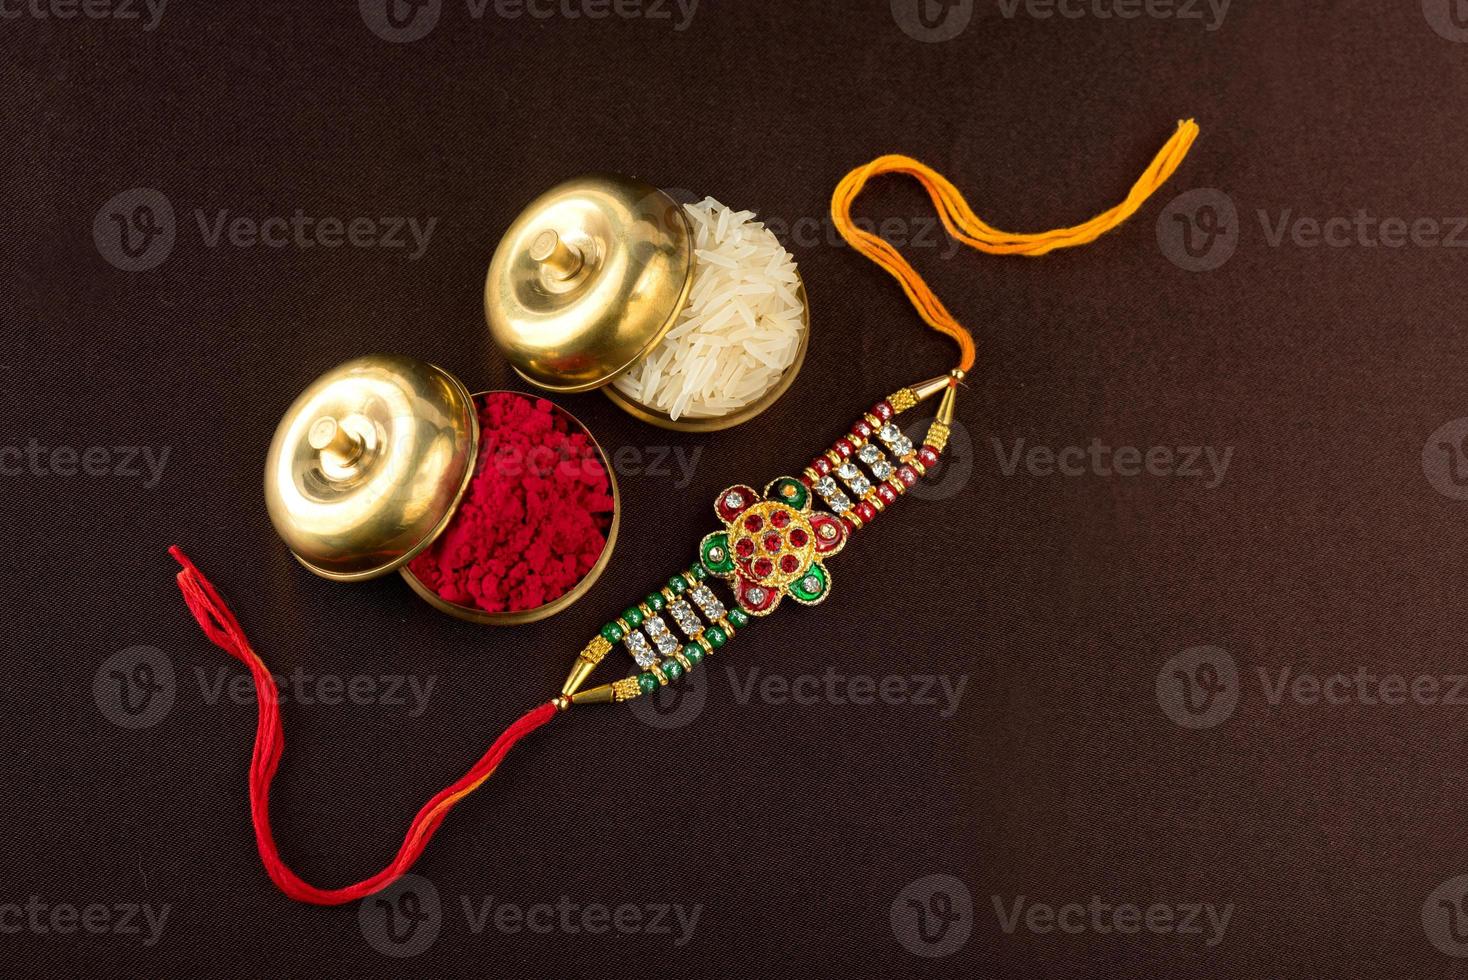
[
  {"x": 496, "y": 507},
  {"x": 692, "y": 317}
]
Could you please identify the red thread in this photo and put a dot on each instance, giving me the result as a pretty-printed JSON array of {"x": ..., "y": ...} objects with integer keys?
[{"x": 221, "y": 627}]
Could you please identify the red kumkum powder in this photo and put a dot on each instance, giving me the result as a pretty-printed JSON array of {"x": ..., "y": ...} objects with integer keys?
[{"x": 534, "y": 519}]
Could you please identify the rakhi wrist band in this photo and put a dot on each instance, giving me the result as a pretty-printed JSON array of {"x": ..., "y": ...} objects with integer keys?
[{"x": 769, "y": 550}]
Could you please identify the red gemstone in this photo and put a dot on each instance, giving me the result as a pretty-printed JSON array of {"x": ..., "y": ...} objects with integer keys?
[
  {"x": 744, "y": 547},
  {"x": 862, "y": 429},
  {"x": 882, "y": 410},
  {"x": 753, "y": 523},
  {"x": 850, "y": 526},
  {"x": 821, "y": 465},
  {"x": 789, "y": 564},
  {"x": 866, "y": 511},
  {"x": 805, "y": 480},
  {"x": 843, "y": 448},
  {"x": 928, "y": 456},
  {"x": 780, "y": 518},
  {"x": 763, "y": 567},
  {"x": 907, "y": 475},
  {"x": 799, "y": 538},
  {"x": 772, "y": 542},
  {"x": 888, "y": 495}
]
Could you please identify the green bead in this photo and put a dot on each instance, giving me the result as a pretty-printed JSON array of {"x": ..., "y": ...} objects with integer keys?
[
  {"x": 739, "y": 618},
  {"x": 646, "y": 683},
  {"x": 716, "y": 636},
  {"x": 678, "y": 584},
  {"x": 672, "y": 669},
  {"x": 611, "y": 632},
  {"x": 699, "y": 572},
  {"x": 633, "y": 617},
  {"x": 693, "y": 653},
  {"x": 656, "y": 602}
]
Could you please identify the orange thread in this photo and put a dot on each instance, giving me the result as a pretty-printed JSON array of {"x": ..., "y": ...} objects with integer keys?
[{"x": 972, "y": 230}]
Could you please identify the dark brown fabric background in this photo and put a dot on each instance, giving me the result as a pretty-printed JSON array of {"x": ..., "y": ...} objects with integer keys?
[{"x": 1056, "y": 600}]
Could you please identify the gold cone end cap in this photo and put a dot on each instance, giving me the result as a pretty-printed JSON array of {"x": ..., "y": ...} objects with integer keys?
[
  {"x": 369, "y": 463},
  {"x": 588, "y": 280}
]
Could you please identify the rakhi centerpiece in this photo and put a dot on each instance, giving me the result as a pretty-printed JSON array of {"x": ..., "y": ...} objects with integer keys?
[{"x": 773, "y": 546}]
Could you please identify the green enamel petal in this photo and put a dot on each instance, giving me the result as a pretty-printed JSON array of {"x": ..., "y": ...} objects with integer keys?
[
  {"x": 713, "y": 552},
  {"x": 788, "y": 490},
  {"x": 801, "y": 592}
]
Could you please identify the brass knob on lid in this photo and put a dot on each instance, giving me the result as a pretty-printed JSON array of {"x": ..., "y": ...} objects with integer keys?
[
  {"x": 588, "y": 280},
  {"x": 369, "y": 463}
]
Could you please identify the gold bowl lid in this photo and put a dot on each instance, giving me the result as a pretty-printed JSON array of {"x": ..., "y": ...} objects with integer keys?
[
  {"x": 587, "y": 280},
  {"x": 369, "y": 463}
]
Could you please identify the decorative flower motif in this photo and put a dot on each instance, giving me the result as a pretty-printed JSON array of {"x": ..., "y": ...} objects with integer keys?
[{"x": 772, "y": 545}]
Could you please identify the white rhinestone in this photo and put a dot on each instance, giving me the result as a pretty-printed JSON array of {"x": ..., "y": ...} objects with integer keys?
[
  {"x": 848, "y": 471},
  {"x": 902, "y": 445},
  {"x": 734, "y": 500},
  {"x": 756, "y": 596},
  {"x": 825, "y": 486},
  {"x": 716, "y": 554},
  {"x": 811, "y": 584},
  {"x": 881, "y": 469},
  {"x": 890, "y": 432},
  {"x": 869, "y": 454},
  {"x": 684, "y": 616},
  {"x": 638, "y": 646},
  {"x": 828, "y": 530},
  {"x": 860, "y": 485},
  {"x": 839, "y": 502}
]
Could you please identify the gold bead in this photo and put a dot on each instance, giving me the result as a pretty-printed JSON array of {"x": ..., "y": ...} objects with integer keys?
[{"x": 625, "y": 689}]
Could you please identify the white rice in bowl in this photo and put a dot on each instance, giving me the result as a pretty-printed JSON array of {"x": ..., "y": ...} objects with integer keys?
[{"x": 742, "y": 326}]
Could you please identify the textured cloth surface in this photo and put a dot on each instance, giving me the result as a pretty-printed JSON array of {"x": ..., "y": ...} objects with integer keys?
[{"x": 1277, "y": 358}]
